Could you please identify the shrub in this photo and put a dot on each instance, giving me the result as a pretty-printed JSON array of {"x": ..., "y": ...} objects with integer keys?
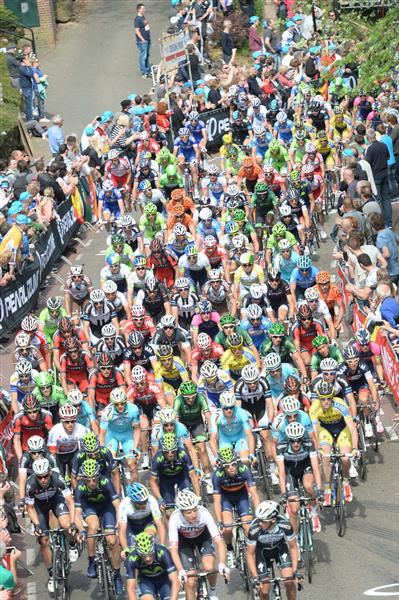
[{"x": 239, "y": 29}]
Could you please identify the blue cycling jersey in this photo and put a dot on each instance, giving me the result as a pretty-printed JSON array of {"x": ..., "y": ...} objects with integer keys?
[
  {"x": 276, "y": 383},
  {"x": 215, "y": 188},
  {"x": 258, "y": 333},
  {"x": 284, "y": 130},
  {"x": 236, "y": 428},
  {"x": 262, "y": 144},
  {"x": 212, "y": 391},
  {"x": 204, "y": 229},
  {"x": 110, "y": 198},
  {"x": 112, "y": 420},
  {"x": 287, "y": 265},
  {"x": 304, "y": 279},
  {"x": 181, "y": 433},
  {"x": 186, "y": 148},
  {"x": 86, "y": 415},
  {"x": 280, "y": 424},
  {"x": 196, "y": 130}
]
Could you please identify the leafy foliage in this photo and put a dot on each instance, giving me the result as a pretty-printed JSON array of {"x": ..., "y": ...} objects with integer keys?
[
  {"x": 8, "y": 110},
  {"x": 9, "y": 21},
  {"x": 239, "y": 28}
]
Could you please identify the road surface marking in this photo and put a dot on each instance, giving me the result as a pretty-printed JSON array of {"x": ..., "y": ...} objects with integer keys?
[
  {"x": 30, "y": 556},
  {"x": 377, "y": 591},
  {"x": 79, "y": 256},
  {"x": 393, "y": 436}
]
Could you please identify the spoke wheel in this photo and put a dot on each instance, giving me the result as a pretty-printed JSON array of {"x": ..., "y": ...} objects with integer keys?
[
  {"x": 339, "y": 506},
  {"x": 307, "y": 549},
  {"x": 363, "y": 453},
  {"x": 264, "y": 474},
  {"x": 375, "y": 434}
]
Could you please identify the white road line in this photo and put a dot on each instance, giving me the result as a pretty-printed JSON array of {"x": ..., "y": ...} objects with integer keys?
[
  {"x": 391, "y": 431},
  {"x": 30, "y": 556},
  {"x": 31, "y": 589},
  {"x": 79, "y": 256},
  {"x": 90, "y": 241}
]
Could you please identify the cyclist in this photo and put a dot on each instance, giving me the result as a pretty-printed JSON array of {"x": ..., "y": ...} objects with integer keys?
[
  {"x": 320, "y": 311},
  {"x": 333, "y": 424},
  {"x": 22, "y": 382},
  {"x": 332, "y": 296},
  {"x": 279, "y": 297},
  {"x": 217, "y": 290},
  {"x": 67, "y": 331},
  {"x": 50, "y": 395},
  {"x": 163, "y": 262},
  {"x": 271, "y": 538},
  {"x": 29, "y": 325},
  {"x": 251, "y": 172},
  {"x": 291, "y": 410},
  {"x": 90, "y": 448},
  {"x": 277, "y": 373},
  {"x": 194, "y": 265},
  {"x": 37, "y": 448},
  {"x": 187, "y": 151},
  {"x": 206, "y": 321},
  {"x": 170, "y": 335},
  {"x": 152, "y": 224},
  {"x": 110, "y": 202},
  {"x": 116, "y": 272},
  {"x": 279, "y": 232},
  {"x": 103, "y": 381},
  {"x": 47, "y": 491},
  {"x": 117, "y": 169},
  {"x": 370, "y": 352},
  {"x": 136, "y": 353},
  {"x": 120, "y": 425},
  {"x": 24, "y": 350},
  {"x": 170, "y": 180},
  {"x": 120, "y": 248},
  {"x": 192, "y": 410},
  {"x": 237, "y": 356},
  {"x": 179, "y": 239},
  {"x": 77, "y": 290},
  {"x": 263, "y": 200},
  {"x": 233, "y": 486},
  {"x": 76, "y": 366},
  {"x": 97, "y": 502},
  {"x": 138, "y": 512},
  {"x": 140, "y": 323},
  {"x": 232, "y": 427},
  {"x": 154, "y": 297},
  {"x": 150, "y": 567},
  {"x": 260, "y": 143},
  {"x": 171, "y": 468},
  {"x": 212, "y": 383},
  {"x": 256, "y": 325},
  {"x": 304, "y": 331},
  {"x": 49, "y": 317},
  {"x": 297, "y": 461},
  {"x": 246, "y": 275},
  {"x": 137, "y": 278},
  {"x": 98, "y": 312},
  {"x": 111, "y": 344},
  {"x": 31, "y": 420},
  {"x": 204, "y": 350},
  {"x": 328, "y": 372},
  {"x": 192, "y": 526},
  {"x": 322, "y": 350},
  {"x": 277, "y": 157},
  {"x": 64, "y": 437},
  {"x": 302, "y": 278},
  {"x": 214, "y": 185}
]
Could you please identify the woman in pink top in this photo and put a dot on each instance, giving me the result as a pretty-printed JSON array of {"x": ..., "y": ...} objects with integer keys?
[
  {"x": 254, "y": 39},
  {"x": 207, "y": 321}
]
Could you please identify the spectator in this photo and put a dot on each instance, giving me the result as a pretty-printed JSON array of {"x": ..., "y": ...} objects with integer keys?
[
  {"x": 55, "y": 134},
  {"x": 8, "y": 578},
  {"x": 393, "y": 121},
  {"x": 388, "y": 308},
  {"x": 143, "y": 40},
  {"x": 387, "y": 140},
  {"x": 45, "y": 208},
  {"x": 254, "y": 39},
  {"x": 14, "y": 241},
  {"x": 369, "y": 202},
  {"x": 349, "y": 178},
  {"x": 49, "y": 179},
  {"x": 377, "y": 155},
  {"x": 270, "y": 37},
  {"x": 387, "y": 243},
  {"x": 370, "y": 282},
  {"x": 227, "y": 43},
  {"x": 13, "y": 65},
  {"x": 26, "y": 79}
]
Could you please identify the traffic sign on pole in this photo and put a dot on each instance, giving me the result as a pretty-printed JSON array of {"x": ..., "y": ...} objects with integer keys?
[{"x": 173, "y": 50}]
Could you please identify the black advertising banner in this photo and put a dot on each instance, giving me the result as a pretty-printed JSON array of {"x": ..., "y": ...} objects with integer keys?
[
  {"x": 217, "y": 124},
  {"x": 18, "y": 298}
]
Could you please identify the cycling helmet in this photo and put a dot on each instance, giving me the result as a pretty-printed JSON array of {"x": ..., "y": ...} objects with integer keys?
[
  {"x": 170, "y": 171},
  {"x": 126, "y": 221},
  {"x": 105, "y": 360},
  {"x": 182, "y": 282},
  {"x": 254, "y": 311},
  {"x": 179, "y": 229},
  {"x": 290, "y": 405},
  {"x": 177, "y": 210},
  {"x": 138, "y": 311},
  {"x": 205, "y": 214},
  {"x": 323, "y": 277},
  {"x": 165, "y": 351},
  {"x": 53, "y": 303},
  {"x": 22, "y": 339},
  {"x": 292, "y": 194},
  {"x": 135, "y": 339},
  {"x": 75, "y": 397},
  {"x": 139, "y": 374},
  {"x": 204, "y": 307},
  {"x": 150, "y": 208},
  {"x": 274, "y": 146},
  {"x": 294, "y": 177},
  {"x": 167, "y": 415},
  {"x": 151, "y": 284},
  {"x": 233, "y": 190},
  {"x": 76, "y": 270},
  {"x": 213, "y": 170},
  {"x": 108, "y": 186},
  {"x": 144, "y": 163},
  {"x": 239, "y": 215},
  {"x": 259, "y": 131},
  {"x": 362, "y": 336},
  {"x": 30, "y": 403},
  {"x": 186, "y": 500},
  {"x": 284, "y": 244},
  {"x": 238, "y": 241},
  {"x": 261, "y": 188},
  {"x": 71, "y": 345},
  {"x": 204, "y": 341},
  {"x": 214, "y": 274},
  {"x": 97, "y": 296},
  {"x": 226, "y": 455},
  {"x": 247, "y": 163},
  {"x": 193, "y": 115},
  {"x": 273, "y": 274},
  {"x": 294, "y": 431},
  {"x": 328, "y": 365},
  {"x": 267, "y": 510},
  {"x": 113, "y": 154},
  {"x": 41, "y": 466},
  {"x": 325, "y": 389},
  {"x": 292, "y": 385},
  {"x": 188, "y": 388},
  {"x": 110, "y": 286},
  {"x": 209, "y": 241},
  {"x": 68, "y": 411},
  {"x": 169, "y": 442},
  {"x": 145, "y": 185},
  {"x": 191, "y": 250},
  {"x": 319, "y": 340},
  {"x": 36, "y": 444},
  {"x": 255, "y": 102},
  {"x": 144, "y": 543},
  {"x": 184, "y": 131},
  {"x": 29, "y": 324},
  {"x": 279, "y": 229},
  {"x": 268, "y": 170},
  {"x": 351, "y": 352},
  {"x": 139, "y": 261},
  {"x": 310, "y": 148},
  {"x": 272, "y": 361},
  {"x": 89, "y": 442},
  {"x": 231, "y": 228},
  {"x": 227, "y": 319},
  {"x": 209, "y": 370},
  {"x": 108, "y": 331},
  {"x": 250, "y": 373},
  {"x": 227, "y": 138},
  {"x": 168, "y": 321},
  {"x": 300, "y": 135},
  {"x": 308, "y": 169},
  {"x": 276, "y": 329},
  {"x": 90, "y": 468},
  {"x": 304, "y": 311},
  {"x": 304, "y": 262},
  {"x": 321, "y": 135},
  {"x": 156, "y": 245},
  {"x": 43, "y": 380},
  {"x": 285, "y": 210},
  {"x": 312, "y": 294},
  {"x": 118, "y": 396},
  {"x": 235, "y": 340},
  {"x": 227, "y": 399},
  {"x": 137, "y": 492},
  {"x": 23, "y": 367},
  {"x": 247, "y": 258},
  {"x": 117, "y": 240},
  {"x": 281, "y": 117}
]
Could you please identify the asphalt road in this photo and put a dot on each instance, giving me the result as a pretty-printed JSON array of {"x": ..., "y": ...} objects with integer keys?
[{"x": 93, "y": 67}]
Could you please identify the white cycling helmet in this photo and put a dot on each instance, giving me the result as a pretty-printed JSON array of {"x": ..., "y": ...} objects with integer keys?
[
  {"x": 68, "y": 411},
  {"x": 167, "y": 415},
  {"x": 117, "y": 395},
  {"x": 36, "y": 444},
  {"x": 75, "y": 397},
  {"x": 294, "y": 431},
  {"x": 112, "y": 154},
  {"x": 328, "y": 364},
  {"x": 138, "y": 310},
  {"x": 179, "y": 229},
  {"x": 186, "y": 500},
  {"x": 76, "y": 270},
  {"x": 285, "y": 210},
  {"x": 204, "y": 341},
  {"x": 29, "y": 323},
  {"x": 97, "y": 296},
  {"x": 23, "y": 367},
  {"x": 284, "y": 245},
  {"x": 290, "y": 405},
  {"x": 227, "y": 399},
  {"x": 256, "y": 291},
  {"x": 41, "y": 466},
  {"x": 22, "y": 339},
  {"x": 209, "y": 370},
  {"x": 110, "y": 287},
  {"x": 250, "y": 373},
  {"x": 138, "y": 374},
  {"x": 108, "y": 330},
  {"x": 254, "y": 311},
  {"x": 281, "y": 117},
  {"x": 267, "y": 510},
  {"x": 209, "y": 241},
  {"x": 205, "y": 214},
  {"x": 312, "y": 294},
  {"x": 182, "y": 282},
  {"x": 168, "y": 321},
  {"x": 272, "y": 361}
]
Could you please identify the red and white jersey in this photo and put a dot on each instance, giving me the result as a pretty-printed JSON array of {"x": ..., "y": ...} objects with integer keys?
[
  {"x": 61, "y": 442},
  {"x": 118, "y": 170},
  {"x": 178, "y": 524}
]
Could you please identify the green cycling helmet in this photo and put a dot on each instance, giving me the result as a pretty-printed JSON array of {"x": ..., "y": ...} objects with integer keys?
[
  {"x": 226, "y": 455},
  {"x": 227, "y": 319},
  {"x": 164, "y": 153},
  {"x": 90, "y": 468},
  {"x": 232, "y": 151},
  {"x": 89, "y": 442},
  {"x": 274, "y": 146},
  {"x": 279, "y": 229},
  {"x": 43, "y": 380},
  {"x": 171, "y": 171},
  {"x": 117, "y": 240},
  {"x": 276, "y": 329},
  {"x": 239, "y": 215},
  {"x": 188, "y": 388},
  {"x": 144, "y": 544},
  {"x": 150, "y": 209},
  {"x": 261, "y": 188},
  {"x": 319, "y": 340},
  {"x": 169, "y": 442},
  {"x": 294, "y": 176}
]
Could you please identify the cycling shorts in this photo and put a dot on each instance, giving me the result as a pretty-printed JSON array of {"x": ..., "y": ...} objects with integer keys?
[
  {"x": 157, "y": 587},
  {"x": 260, "y": 152},
  {"x": 264, "y": 559},
  {"x": 147, "y": 410},
  {"x": 125, "y": 439},
  {"x": 56, "y": 504},
  {"x": 293, "y": 477},
  {"x": 64, "y": 460},
  {"x": 188, "y": 155},
  {"x": 119, "y": 182},
  {"x": 105, "y": 511},
  {"x": 256, "y": 410},
  {"x": 167, "y": 485},
  {"x": 187, "y": 546},
  {"x": 196, "y": 430},
  {"x": 239, "y": 442},
  {"x": 134, "y": 527},
  {"x": 113, "y": 208},
  {"x": 344, "y": 438},
  {"x": 238, "y": 499}
]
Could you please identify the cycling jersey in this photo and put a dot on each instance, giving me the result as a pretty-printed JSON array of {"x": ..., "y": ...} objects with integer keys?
[
  {"x": 22, "y": 387},
  {"x": 190, "y": 414},
  {"x": 215, "y": 188},
  {"x": 179, "y": 526},
  {"x": 146, "y": 328},
  {"x": 120, "y": 278},
  {"x": 334, "y": 419},
  {"x": 178, "y": 337},
  {"x": 162, "y": 468},
  {"x": 212, "y": 391},
  {"x": 341, "y": 386},
  {"x": 98, "y": 318},
  {"x": 284, "y": 131},
  {"x": 25, "y": 427},
  {"x": 186, "y": 149},
  {"x": 78, "y": 291},
  {"x": 269, "y": 539},
  {"x": 230, "y": 429},
  {"x": 86, "y": 497},
  {"x": 115, "y": 422},
  {"x": 277, "y": 296},
  {"x": 333, "y": 352},
  {"x": 233, "y": 364},
  {"x": 116, "y": 351},
  {"x": 138, "y": 517},
  {"x": 144, "y": 358},
  {"x": 286, "y": 265},
  {"x": 304, "y": 280},
  {"x": 198, "y": 357},
  {"x": 281, "y": 422},
  {"x": 276, "y": 382},
  {"x": 305, "y": 336},
  {"x": 104, "y": 459},
  {"x": 245, "y": 280},
  {"x": 56, "y": 398},
  {"x": 181, "y": 433},
  {"x": 221, "y": 337},
  {"x": 118, "y": 170},
  {"x": 225, "y": 485},
  {"x": 34, "y": 492},
  {"x": 154, "y": 305},
  {"x": 371, "y": 354},
  {"x": 257, "y": 333},
  {"x": 61, "y": 442},
  {"x": 162, "y": 565},
  {"x": 173, "y": 375},
  {"x": 50, "y": 323},
  {"x": 26, "y": 462},
  {"x": 358, "y": 379}
]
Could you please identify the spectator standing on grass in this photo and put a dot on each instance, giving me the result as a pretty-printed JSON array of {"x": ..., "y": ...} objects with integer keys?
[
  {"x": 377, "y": 155},
  {"x": 55, "y": 135},
  {"x": 13, "y": 65},
  {"x": 227, "y": 43},
  {"x": 143, "y": 40},
  {"x": 254, "y": 39}
]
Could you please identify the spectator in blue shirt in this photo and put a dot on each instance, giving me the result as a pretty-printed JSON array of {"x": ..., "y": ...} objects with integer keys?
[
  {"x": 387, "y": 140},
  {"x": 55, "y": 134},
  {"x": 387, "y": 243},
  {"x": 388, "y": 307},
  {"x": 26, "y": 80}
]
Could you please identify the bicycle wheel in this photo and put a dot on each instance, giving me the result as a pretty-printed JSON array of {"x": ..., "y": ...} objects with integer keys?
[
  {"x": 204, "y": 493},
  {"x": 307, "y": 548},
  {"x": 264, "y": 474},
  {"x": 375, "y": 433},
  {"x": 110, "y": 577},
  {"x": 363, "y": 451},
  {"x": 103, "y": 576},
  {"x": 58, "y": 575},
  {"x": 339, "y": 506}
]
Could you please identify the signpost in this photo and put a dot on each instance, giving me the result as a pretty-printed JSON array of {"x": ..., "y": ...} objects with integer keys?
[{"x": 173, "y": 50}]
